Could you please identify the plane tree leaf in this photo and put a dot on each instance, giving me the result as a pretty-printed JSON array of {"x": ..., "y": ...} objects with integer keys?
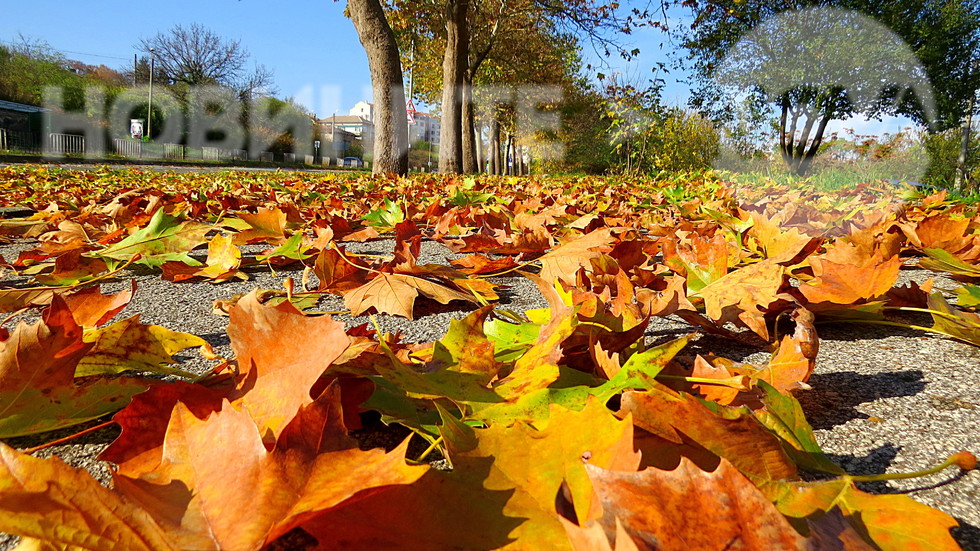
[
  {"x": 38, "y": 389},
  {"x": 129, "y": 345},
  {"x": 888, "y": 522},
  {"x": 279, "y": 372},
  {"x": 163, "y": 239},
  {"x": 47, "y": 501},
  {"x": 669, "y": 509}
]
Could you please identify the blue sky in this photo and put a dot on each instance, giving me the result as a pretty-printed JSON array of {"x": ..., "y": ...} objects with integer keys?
[{"x": 311, "y": 47}]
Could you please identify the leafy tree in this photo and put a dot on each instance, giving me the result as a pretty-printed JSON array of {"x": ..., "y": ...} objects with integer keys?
[
  {"x": 391, "y": 119},
  {"x": 817, "y": 68}
]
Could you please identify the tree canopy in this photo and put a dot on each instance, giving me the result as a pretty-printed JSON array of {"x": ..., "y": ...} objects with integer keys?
[{"x": 816, "y": 65}]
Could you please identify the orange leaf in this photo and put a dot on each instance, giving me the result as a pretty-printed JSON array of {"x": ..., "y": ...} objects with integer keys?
[
  {"x": 279, "y": 372},
  {"x": 687, "y": 508},
  {"x": 395, "y": 294},
  {"x": 46, "y": 500},
  {"x": 849, "y": 283},
  {"x": 739, "y": 295}
]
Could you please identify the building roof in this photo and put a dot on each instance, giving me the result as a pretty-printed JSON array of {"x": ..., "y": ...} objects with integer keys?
[
  {"x": 23, "y": 108},
  {"x": 344, "y": 119}
]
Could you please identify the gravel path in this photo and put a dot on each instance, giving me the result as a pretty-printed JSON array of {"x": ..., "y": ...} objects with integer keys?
[{"x": 884, "y": 399}]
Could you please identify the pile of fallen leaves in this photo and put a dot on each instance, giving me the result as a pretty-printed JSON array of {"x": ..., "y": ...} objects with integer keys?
[{"x": 559, "y": 428}]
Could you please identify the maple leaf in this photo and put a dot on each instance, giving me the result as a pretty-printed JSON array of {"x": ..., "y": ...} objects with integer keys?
[
  {"x": 666, "y": 509},
  {"x": 72, "y": 268},
  {"x": 395, "y": 294},
  {"x": 534, "y": 461},
  {"x": 222, "y": 263},
  {"x": 738, "y": 295},
  {"x": 729, "y": 433},
  {"x": 278, "y": 373},
  {"x": 699, "y": 260},
  {"x": 163, "y": 239},
  {"x": 889, "y": 522},
  {"x": 265, "y": 224},
  {"x": 939, "y": 260},
  {"x": 90, "y": 308},
  {"x": 222, "y": 459},
  {"x": 38, "y": 391},
  {"x": 849, "y": 283},
  {"x": 129, "y": 345},
  {"x": 564, "y": 260},
  {"x": 47, "y": 502},
  {"x": 950, "y": 321},
  {"x": 335, "y": 274},
  {"x": 386, "y": 217}
]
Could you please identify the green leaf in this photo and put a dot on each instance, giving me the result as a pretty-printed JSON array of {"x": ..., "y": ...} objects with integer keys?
[
  {"x": 941, "y": 260},
  {"x": 30, "y": 410},
  {"x": 947, "y": 320},
  {"x": 890, "y": 522},
  {"x": 385, "y": 218},
  {"x": 511, "y": 340},
  {"x": 292, "y": 248},
  {"x": 968, "y": 296},
  {"x": 162, "y": 240},
  {"x": 784, "y": 417}
]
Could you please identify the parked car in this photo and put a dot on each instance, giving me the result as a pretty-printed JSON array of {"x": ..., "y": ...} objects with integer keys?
[{"x": 353, "y": 162}]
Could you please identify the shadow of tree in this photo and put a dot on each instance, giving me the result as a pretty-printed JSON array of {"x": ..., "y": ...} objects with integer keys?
[{"x": 834, "y": 396}]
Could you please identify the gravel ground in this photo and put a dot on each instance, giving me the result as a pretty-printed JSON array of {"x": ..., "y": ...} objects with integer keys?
[{"x": 883, "y": 399}]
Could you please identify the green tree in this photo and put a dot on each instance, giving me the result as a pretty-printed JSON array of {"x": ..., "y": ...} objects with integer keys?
[{"x": 817, "y": 67}]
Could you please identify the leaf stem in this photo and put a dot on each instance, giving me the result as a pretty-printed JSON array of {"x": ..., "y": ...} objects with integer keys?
[
  {"x": 955, "y": 459},
  {"x": 89, "y": 430},
  {"x": 435, "y": 443}
]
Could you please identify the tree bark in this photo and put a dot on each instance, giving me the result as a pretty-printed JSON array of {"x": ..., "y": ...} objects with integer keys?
[
  {"x": 390, "y": 119},
  {"x": 468, "y": 122},
  {"x": 454, "y": 64}
]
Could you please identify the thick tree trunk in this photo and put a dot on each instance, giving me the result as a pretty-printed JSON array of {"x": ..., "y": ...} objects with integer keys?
[
  {"x": 454, "y": 66},
  {"x": 390, "y": 119},
  {"x": 470, "y": 164}
]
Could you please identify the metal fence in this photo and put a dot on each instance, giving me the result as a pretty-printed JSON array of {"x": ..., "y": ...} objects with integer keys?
[
  {"x": 128, "y": 148},
  {"x": 25, "y": 142},
  {"x": 174, "y": 151},
  {"x": 219, "y": 154},
  {"x": 66, "y": 144}
]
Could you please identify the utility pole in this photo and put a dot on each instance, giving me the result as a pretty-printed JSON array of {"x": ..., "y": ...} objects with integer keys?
[{"x": 149, "y": 103}]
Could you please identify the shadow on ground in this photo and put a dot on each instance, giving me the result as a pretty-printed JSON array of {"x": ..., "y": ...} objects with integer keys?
[{"x": 834, "y": 397}]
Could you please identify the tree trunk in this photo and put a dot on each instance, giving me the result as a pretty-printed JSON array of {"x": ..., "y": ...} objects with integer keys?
[
  {"x": 481, "y": 161},
  {"x": 962, "y": 182},
  {"x": 454, "y": 64},
  {"x": 390, "y": 119},
  {"x": 470, "y": 164},
  {"x": 495, "y": 145}
]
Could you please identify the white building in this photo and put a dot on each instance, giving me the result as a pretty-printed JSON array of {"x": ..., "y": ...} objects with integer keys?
[{"x": 426, "y": 126}]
